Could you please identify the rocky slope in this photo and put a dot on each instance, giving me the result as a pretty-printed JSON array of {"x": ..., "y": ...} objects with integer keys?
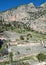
[{"x": 33, "y": 17}]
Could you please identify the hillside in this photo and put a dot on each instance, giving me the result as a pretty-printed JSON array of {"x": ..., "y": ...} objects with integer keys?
[
  {"x": 23, "y": 34},
  {"x": 33, "y": 17}
]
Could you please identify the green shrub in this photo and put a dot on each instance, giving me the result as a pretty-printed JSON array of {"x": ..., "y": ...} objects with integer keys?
[{"x": 41, "y": 57}]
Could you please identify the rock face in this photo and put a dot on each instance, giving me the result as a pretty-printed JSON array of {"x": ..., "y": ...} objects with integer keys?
[{"x": 28, "y": 14}]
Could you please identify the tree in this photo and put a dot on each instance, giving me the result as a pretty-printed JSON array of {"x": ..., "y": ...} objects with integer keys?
[
  {"x": 29, "y": 35},
  {"x": 21, "y": 37},
  {"x": 41, "y": 57},
  {"x": 11, "y": 56}
]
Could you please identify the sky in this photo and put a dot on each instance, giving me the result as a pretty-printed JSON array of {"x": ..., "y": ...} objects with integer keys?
[{"x": 7, "y": 4}]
